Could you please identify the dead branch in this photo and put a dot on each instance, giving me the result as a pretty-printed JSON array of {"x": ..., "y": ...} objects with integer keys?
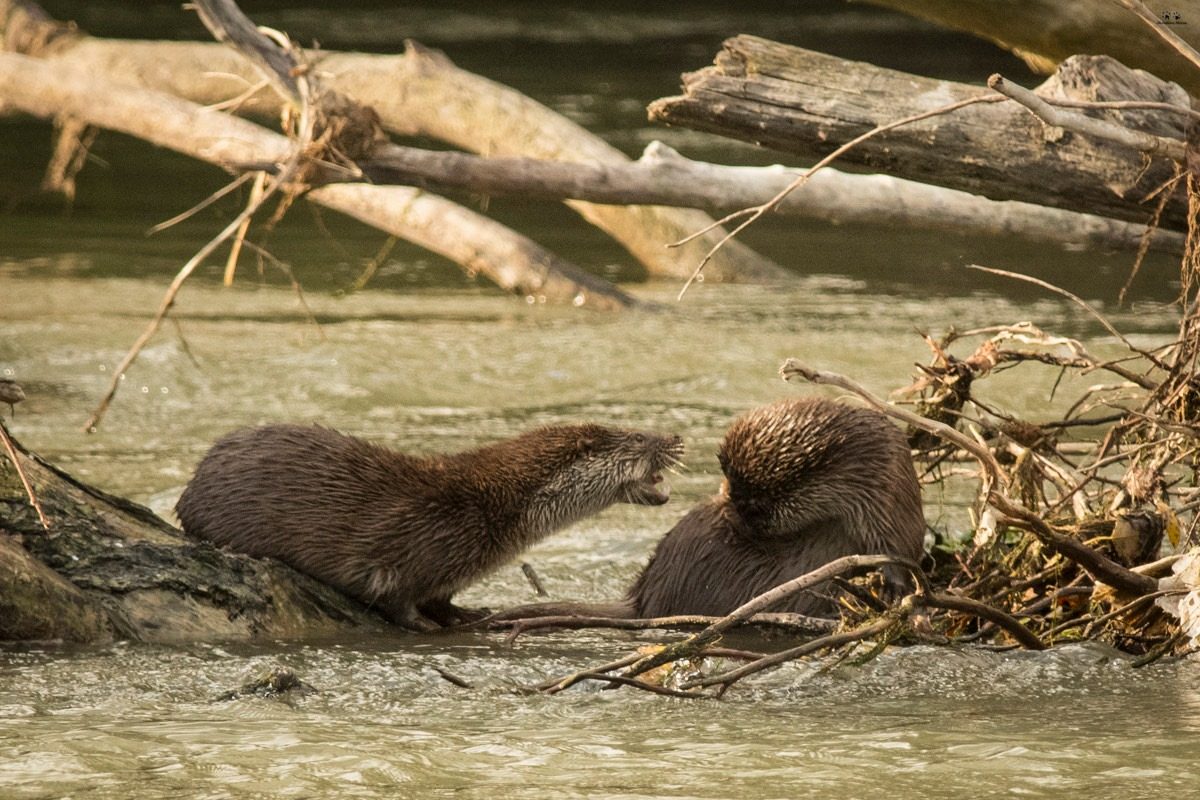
[
  {"x": 994, "y": 488},
  {"x": 795, "y": 624},
  {"x": 1090, "y": 126},
  {"x": 830, "y": 642},
  {"x": 689, "y": 646}
]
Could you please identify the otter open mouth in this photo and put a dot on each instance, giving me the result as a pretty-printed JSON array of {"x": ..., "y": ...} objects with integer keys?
[{"x": 651, "y": 490}]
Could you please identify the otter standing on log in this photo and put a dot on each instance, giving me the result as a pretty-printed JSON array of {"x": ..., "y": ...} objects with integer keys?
[
  {"x": 404, "y": 533},
  {"x": 807, "y": 481}
]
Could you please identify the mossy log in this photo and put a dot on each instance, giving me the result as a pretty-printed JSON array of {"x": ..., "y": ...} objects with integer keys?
[{"x": 108, "y": 569}]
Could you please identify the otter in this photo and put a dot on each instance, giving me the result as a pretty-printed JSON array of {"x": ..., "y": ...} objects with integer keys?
[
  {"x": 806, "y": 481},
  {"x": 403, "y": 533}
]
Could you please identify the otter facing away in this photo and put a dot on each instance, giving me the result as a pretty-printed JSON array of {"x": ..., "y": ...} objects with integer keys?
[
  {"x": 404, "y": 533},
  {"x": 807, "y": 481}
]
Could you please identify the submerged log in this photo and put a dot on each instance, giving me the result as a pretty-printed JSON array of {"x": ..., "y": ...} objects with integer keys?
[
  {"x": 808, "y": 104},
  {"x": 110, "y": 569}
]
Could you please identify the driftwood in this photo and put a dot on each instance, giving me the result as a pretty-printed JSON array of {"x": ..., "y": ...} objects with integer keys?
[
  {"x": 660, "y": 178},
  {"x": 808, "y": 103},
  {"x": 664, "y": 177},
  {"x": 419, "y": 93},
  {"x": 111, "y": 569},
  {"x": 480, "y": 245},
  {"x": 1046, "y": 33}
]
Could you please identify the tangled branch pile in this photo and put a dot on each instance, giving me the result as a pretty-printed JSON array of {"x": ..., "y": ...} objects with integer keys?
[{"x": 1069, "y": 519}]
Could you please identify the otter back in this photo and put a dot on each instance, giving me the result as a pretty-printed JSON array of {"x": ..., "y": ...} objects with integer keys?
[{"x": 400, "y": 531}]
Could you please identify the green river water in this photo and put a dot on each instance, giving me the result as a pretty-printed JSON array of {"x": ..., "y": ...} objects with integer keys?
[{"x": 426, "y": 360}]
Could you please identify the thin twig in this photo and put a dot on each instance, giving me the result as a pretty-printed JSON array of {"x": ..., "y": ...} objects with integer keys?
[
  {"x": 1137, "y": 105},
  {"x": 1163, "y": 31},
  {"x": 203, "y": 204},
  {"x": 624, "y": 680},
  {"x": 256, "y": 190},
  {"x": 283, "y": 267},
  {"x": 825, "y": 642},
  {"x": 757, "y": 211},
  {"x": 556, "y": 685},
  {"x": 16, "y": 462},
  {"x": 1108, "y": 326},
  {"x": 450, "y": 677},
  {"x": 531, "y": 575},
  {"x": 792, "y": 623}
]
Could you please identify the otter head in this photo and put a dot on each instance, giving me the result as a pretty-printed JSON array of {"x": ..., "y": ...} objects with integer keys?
[
  {"x": 630, "y": 463},
  {"x": 775, "y": 459},
  {"x": 583, "y": 469},
  {"x": 590, "y": 467}
]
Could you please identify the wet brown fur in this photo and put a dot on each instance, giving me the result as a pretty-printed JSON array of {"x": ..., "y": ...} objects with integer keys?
[
  {"x": 401, "y": 531},
  {"x": 806, "y": 481}
]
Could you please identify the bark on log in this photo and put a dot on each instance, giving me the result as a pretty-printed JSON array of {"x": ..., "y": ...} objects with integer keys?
[
  {"x": 419, "y": 93},
  {"x": 1046, "y": 32},
  {"x": 51, "y": 88},
  {"x": 109, "y": 568},
  {"x": 809, "y": 103}
]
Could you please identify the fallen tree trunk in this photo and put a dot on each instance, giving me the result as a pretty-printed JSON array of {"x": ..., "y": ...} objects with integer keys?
[
  {"x": 48, "y": 89},
  {"x": 515, "y": 263},
  {"x": 660, "y": 178},
  {"x": 110, "y": 569},
  {"x": 808, "y": 104},
  {"x": 664, "y": 177},
  {"x": 420, "y": 93}
]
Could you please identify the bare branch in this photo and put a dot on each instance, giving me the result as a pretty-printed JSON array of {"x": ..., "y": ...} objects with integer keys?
[{"x": 1090, "y": 126}]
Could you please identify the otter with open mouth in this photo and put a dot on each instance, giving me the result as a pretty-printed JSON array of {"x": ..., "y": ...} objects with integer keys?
[
  {"x": 403, "y": 533},
  {"x": 806, "y": 481}
]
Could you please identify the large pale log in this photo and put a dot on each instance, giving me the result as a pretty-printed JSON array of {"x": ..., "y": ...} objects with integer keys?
[
  {"x": 418, "y": 93},
  {"x": 51, "y": 88},
  {"x": 664, "y": 177},
  {"x": 808, "y": 104},
  {"x": 108, "y": 568},
  {"x": 1046, "y": 32}
]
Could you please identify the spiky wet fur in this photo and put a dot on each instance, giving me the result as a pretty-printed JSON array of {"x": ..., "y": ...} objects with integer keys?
[{"x": 806, "y": 481}]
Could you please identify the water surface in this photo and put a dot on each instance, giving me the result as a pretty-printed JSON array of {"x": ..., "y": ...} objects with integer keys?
[{"x": 425, "y": 360}]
